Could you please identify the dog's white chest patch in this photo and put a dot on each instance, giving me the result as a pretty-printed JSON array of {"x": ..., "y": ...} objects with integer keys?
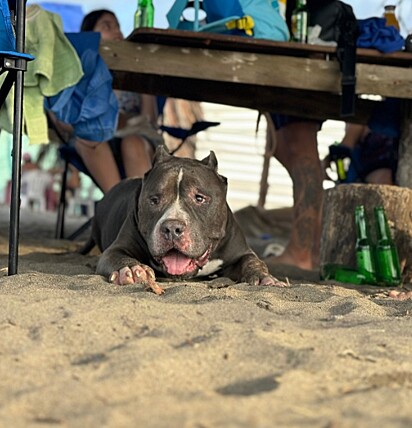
[{"x": 210, "y": 267}]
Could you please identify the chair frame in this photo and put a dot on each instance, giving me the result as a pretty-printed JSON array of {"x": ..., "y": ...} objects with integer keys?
[{"x": 15, "y": 64}]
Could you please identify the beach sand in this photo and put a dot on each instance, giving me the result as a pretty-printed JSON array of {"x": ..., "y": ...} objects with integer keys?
[{"x": 79, "y": 352}]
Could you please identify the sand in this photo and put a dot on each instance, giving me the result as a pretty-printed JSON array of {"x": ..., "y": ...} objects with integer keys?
[{"x": 78, "y": 352}]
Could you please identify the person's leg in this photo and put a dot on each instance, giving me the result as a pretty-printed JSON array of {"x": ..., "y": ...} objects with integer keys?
[
  {"x": 380, "y": 176},
  {"x": 137, "y": 155},
  {"x": 378, "y": 158},
  {"x": 353, "y": 134},
  {"x": 297, "y": 151},
  {"x": 100, "y": 162}
]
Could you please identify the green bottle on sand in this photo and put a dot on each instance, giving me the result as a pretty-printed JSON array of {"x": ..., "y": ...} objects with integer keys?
[
  {"x": 364, "y": 248},
  {"x": 387, "y": 259}
]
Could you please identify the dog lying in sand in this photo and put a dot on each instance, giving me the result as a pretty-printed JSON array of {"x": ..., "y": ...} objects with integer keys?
[{"x": 174, "y": 223}]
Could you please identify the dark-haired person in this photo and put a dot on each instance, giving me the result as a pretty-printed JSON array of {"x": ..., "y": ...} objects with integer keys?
[{"x": 136, "y": 138}]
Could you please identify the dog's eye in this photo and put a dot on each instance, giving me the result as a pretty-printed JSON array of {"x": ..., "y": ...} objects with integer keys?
[
  {"x": 154, "y": 200},
  {"x": 200, "y": 199}
]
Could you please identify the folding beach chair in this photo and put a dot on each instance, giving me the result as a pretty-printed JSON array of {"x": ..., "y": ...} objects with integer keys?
[{"x": 13, "y": 62}]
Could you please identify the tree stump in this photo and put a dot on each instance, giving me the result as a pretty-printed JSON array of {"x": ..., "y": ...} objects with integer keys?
[
  {"x": 404, "y": 171},
  {"x": 339, "y": 232}
]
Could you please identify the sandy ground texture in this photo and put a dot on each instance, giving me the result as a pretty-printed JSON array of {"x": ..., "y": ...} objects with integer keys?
[{"x": 76, "y": 351}]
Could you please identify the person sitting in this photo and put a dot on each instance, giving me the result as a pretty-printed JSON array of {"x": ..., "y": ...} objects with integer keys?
[
  {"x": 373, "y": 148},
  {"x": 107, "y": 155},
  {"x": 35, "y": 184},
  {"x": 297, "y": 150},
  {"x": 28, "y": 163},
  {"x": 133, "y": 150}
]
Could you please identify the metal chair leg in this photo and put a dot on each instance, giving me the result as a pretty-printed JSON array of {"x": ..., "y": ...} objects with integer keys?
[
  {"x": 17, "y": 142},
  {"x": 62, "y": 204},
  {"x": 80, "y": 230},
  {"x": 16, "y": 175}
]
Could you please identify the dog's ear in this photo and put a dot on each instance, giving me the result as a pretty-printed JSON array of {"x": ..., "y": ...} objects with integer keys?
[
  {"x": 210, "y": 161},
  {"x": 161, "y": 154}
]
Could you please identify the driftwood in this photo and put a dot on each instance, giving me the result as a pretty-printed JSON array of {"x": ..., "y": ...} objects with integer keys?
[{"x": 339, "y": 233}]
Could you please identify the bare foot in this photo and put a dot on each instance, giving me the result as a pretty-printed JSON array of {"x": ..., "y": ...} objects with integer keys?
[
  {"x": 400, "y": 295},
  {"x": 301, "y": 261}
]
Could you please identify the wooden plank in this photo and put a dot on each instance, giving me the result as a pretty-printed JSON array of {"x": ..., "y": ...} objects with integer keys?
[
  {"x": 310, "y": 104},
  {"x": 383, "y": 80},
  {"x": 246, "y": 44},
  {"x": 222, "y": 66},
  {"x": 226, "y": 42},
  {"x": 253, "y": 69}
]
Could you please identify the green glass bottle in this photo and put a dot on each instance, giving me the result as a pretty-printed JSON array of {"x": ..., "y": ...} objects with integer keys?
[
  {"x": 300, "y": 20},
  {"x": 350, "y": 276},
  {"x": 341, "y": 273},
  {"x": 144, "y": 15},
  {"x": 364, "y": 248},
  {"x": 387, "y": 259}
]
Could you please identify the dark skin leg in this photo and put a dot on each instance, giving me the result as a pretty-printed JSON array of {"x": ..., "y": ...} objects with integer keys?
[{"x": 297, "y": 151}]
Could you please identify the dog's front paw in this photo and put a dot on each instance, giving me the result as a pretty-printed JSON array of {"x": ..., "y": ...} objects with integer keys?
[
  {"x": 265, "y": 280},
  {"x": 138, "y": 273},
  {"x": 272, "y": 281},
  {"x": 255, "y": 272}
]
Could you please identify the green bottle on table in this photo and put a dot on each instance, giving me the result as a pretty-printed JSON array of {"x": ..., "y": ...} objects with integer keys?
[
  {"x": 387, "y": 259},
  {"x": 300, "y": 20},
  {"x": 364, "y": 248},
  {"x": 144, "y": 15}
]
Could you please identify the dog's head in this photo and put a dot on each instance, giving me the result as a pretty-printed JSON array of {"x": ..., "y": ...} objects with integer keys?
[{"x": 182, "y": 212}]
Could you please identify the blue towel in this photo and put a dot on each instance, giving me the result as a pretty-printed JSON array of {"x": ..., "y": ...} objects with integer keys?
[
  {"x": 373, "y": 33},
  {"x": 90, "y": 106}
]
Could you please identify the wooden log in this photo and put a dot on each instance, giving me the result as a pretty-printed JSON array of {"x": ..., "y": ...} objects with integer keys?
[{"x": 339, "y": 233}]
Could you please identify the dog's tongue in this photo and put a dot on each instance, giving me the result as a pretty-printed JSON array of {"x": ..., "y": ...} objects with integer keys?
[{"x": 178, "y": 264}]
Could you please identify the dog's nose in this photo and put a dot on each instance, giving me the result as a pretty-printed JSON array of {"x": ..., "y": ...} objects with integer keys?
[{"x": 173, "y": 229}]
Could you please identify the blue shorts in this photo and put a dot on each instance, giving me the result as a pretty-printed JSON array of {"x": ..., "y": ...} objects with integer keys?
[
  {"x": 376, "y": 151},
  {"x": 281, "y": 120}
]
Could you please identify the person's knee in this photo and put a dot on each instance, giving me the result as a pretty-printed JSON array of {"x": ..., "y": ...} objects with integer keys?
[
  {"x": 295, "y": 142},
  {"x": 380, "y": 176},
  {"x": 136, "y": 146},
  {"x": 83, "y": 146},
  {"x": 302, "y": 134}
]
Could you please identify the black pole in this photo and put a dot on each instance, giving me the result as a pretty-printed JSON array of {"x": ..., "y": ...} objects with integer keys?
[
  {"x": 62, "y": 204},
  {"x": 17, "y": 142}
]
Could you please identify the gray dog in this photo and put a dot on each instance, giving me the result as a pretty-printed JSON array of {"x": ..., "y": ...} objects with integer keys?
[{"x": 174, "y": 223}]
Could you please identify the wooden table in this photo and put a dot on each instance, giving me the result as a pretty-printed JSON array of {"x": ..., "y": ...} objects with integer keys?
[{"x": 285, "y": 77}]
